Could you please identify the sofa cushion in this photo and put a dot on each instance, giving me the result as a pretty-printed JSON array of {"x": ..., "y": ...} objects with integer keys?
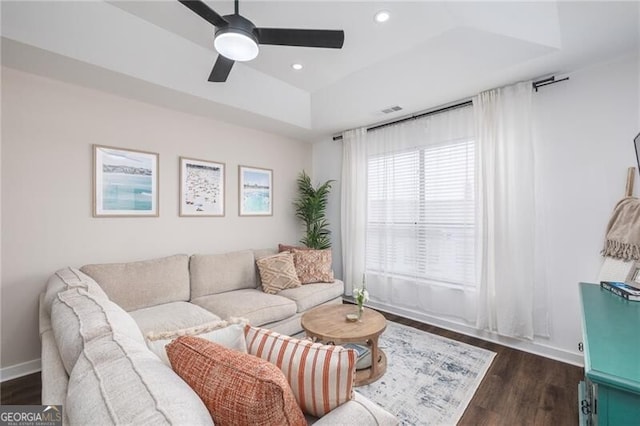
[
  {"x": 255, "y": 305},
  {"x": 137, "y": 285},
  {"x": 312, "y": 295},
  {"x": 358, "y": 411},
  {"x": 289, "y": 326},
  {"x": 229, "y": 335},
  {"x": 119, "y": 381},
  {"x": 218, "y": 273},
  {"x": 237, "y": 388},
  {"x": 67, "y": 278},
  {"x": 260, "y": 253},
  {"x": 78, "y": 317},
  {"x": 171, "y": 316},
  {"x": 277, "y": 273},
  {"x": 313, "y": 266},
  {"x": 321, "y": 376}
]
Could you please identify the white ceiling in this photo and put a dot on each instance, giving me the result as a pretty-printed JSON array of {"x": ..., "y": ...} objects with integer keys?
[{"x": 429, "y": 53}]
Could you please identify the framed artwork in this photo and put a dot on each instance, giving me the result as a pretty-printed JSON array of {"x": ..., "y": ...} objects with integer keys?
[
  {"x": 125, "y": 182},
  {"x": 201, "y": 187},
  {"x": 255, "y": 191},
  {"x": 636, "y": 144}
]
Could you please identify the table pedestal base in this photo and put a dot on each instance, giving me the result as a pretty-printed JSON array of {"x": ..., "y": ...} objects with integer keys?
[{"x": 367, "y": 375}]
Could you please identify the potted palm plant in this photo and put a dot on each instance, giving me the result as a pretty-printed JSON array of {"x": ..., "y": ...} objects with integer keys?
[{"x": 311, "y": 209}]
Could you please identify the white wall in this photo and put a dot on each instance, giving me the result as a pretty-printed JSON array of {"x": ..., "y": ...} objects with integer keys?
[
  {"x": 584, "y": 144},
  {"x": 48, "y": 128},
  {"x": 584, "y": 140}
]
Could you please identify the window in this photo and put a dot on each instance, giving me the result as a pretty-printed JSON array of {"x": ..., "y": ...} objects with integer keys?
[{"x": 421, "y": 214}]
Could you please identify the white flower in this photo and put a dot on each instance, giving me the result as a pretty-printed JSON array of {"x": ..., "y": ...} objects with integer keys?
[{"x": 361, "y": 295}]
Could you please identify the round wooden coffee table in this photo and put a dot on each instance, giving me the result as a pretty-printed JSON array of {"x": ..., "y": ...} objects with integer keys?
[{"x": 328, "y": 324}]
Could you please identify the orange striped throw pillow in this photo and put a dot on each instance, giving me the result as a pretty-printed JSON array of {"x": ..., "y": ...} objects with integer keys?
[
  {"x": 237, "y": 388},
  {"x": 321, "y": 376}
]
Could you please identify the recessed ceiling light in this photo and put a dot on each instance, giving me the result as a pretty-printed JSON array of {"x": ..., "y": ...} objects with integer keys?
[
  {"x": 382, "y": 16},
  {"x": 296, "y": 67}
]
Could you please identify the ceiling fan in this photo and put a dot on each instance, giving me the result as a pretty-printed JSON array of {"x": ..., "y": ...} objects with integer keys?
[{"x": 237, "y": 38}]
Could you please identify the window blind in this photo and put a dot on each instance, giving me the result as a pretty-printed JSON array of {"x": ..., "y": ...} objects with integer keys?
[{"x": 421, "y": 213}]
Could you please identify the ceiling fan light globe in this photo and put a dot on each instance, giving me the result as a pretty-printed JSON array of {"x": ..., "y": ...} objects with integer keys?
[
  {"x": 236, "y": 46},
  {"x": 382, "y": 16}
]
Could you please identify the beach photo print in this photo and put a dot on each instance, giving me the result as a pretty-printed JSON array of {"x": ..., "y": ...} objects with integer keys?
[
  {"x": 201, "y": 187},
  {"x": 125, "y": 182},
  {"x": 256, "y": 191}
]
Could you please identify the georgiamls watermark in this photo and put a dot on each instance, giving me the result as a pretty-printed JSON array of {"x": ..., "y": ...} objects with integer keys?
[{"x": 30, "y": 415}]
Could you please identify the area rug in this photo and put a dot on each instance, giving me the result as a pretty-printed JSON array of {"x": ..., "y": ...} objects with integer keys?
[{"x": 430, "y": 379}]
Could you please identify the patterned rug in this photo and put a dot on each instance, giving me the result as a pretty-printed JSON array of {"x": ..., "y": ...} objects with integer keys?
[{"x": 430, "y": 379}]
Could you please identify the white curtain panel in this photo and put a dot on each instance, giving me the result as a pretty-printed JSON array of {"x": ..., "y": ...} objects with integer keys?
[
  {"x": 410, "y": 164},
  {"x": 354, "y": 207},
  {"x": 506, "y": 207}
]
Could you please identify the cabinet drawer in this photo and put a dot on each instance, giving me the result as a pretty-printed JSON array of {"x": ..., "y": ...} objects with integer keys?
[
  {"x": 617, "y": 407},
  {"x": 611, "y": 362}
]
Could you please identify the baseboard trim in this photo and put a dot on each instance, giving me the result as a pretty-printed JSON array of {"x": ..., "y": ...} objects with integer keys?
[
  {"x": 18, "y": 370},
  {"x": 536, "y": 348}
]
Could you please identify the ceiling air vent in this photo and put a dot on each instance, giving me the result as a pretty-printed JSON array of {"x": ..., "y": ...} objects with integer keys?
[{"x": 392, "y": 109}]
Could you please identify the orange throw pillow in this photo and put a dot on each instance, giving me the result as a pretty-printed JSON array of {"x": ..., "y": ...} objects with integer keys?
[{"x": 237, "y": 388}]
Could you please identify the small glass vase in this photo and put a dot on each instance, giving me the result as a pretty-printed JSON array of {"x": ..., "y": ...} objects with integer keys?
[{"x": 360, "y": 312}]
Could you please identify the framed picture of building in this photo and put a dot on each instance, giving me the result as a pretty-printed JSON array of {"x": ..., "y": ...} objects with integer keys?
[
  {"x": 255, "y": 196},
  {"x": 125, "y": 182},
  {"x": 201, "y": 187}
]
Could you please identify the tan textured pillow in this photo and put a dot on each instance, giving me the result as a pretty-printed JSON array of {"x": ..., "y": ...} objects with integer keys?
[
  {"x": 277, "y": 272},
  {"x": 313, "y": 266},
  {"x": 321, "y": 376},
  {"x": 237, "y": 388}
]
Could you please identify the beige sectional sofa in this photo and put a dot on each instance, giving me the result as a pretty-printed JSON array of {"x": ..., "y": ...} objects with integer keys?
[{"x": 93, "y": 322}]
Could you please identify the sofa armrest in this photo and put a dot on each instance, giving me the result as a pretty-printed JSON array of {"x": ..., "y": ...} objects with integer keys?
[
  {"x": 53, "y": 375},
  {"x": 44, "y": 321},
  {"x": 358, "y": 411}
]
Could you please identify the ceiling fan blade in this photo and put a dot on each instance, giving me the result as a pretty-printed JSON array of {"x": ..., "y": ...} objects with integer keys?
[
  {"x": 205, "y": 12},
  {"x": 333, "y": 39},
  {"x": 221, "y": 70}
]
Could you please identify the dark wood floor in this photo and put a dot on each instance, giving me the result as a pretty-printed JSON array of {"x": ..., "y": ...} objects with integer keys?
[
  {"x": 21, "y": 391},
  {"x": 519, "y": 388}
]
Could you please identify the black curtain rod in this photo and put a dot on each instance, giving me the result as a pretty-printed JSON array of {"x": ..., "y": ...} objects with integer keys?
[
  {"x": 546, "y": 82},
  {"x": 535, "y": 85},
  {"x": 413, "y": 117}
]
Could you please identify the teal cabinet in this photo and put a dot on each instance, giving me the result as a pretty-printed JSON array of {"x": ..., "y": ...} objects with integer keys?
[{"x": 610, "y": 394}]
